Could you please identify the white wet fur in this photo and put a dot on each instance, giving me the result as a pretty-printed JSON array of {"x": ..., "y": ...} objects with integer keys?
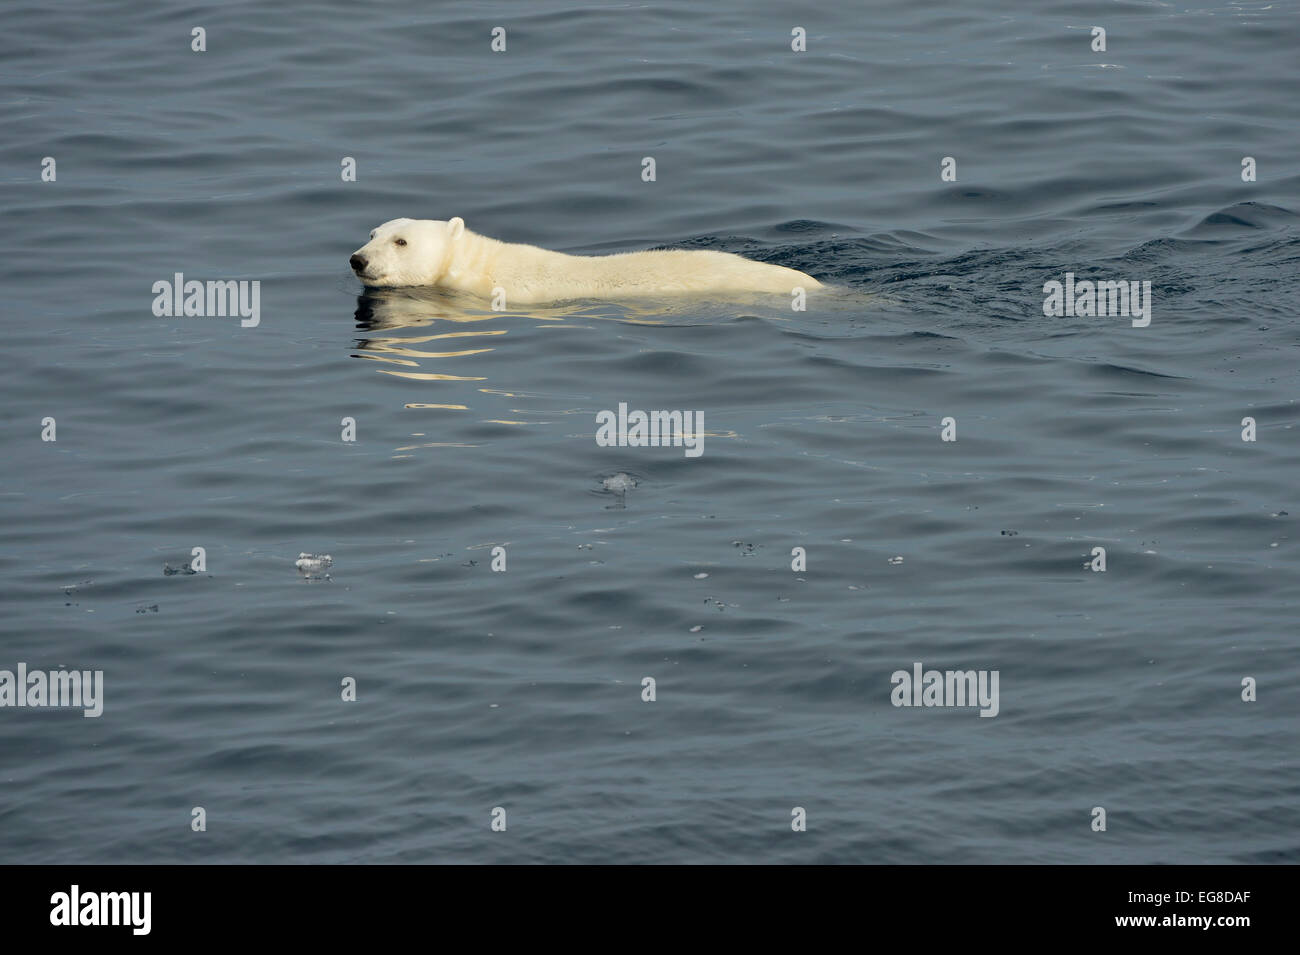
[{"x": 430, "y": 252}]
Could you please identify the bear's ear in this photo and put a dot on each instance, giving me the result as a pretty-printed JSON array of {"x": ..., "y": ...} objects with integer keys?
[{"x": 455, "y": 227}]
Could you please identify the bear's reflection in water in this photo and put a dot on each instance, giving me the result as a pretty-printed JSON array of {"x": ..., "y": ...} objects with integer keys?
[
  {"x": 456, "y": 329},
  {"x": 438, "y": 328},
  {"x": 439, "y": 343},
  {"x": 441, "y": 340}
]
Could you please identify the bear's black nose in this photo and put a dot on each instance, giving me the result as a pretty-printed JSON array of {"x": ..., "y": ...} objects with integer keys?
[{"x": 357, "y": 262}]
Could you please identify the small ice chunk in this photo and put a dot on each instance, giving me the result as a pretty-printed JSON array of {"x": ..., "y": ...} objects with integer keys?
[
  {"x": 619, "y": 483},
  {"x": 313, "y": 564}
]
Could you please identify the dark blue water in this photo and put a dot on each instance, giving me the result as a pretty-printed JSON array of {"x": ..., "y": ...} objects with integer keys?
[{"x": 522, "y": 690}]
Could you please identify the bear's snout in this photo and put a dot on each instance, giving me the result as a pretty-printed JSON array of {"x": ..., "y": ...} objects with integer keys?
[{"x": 358, "y": 262}]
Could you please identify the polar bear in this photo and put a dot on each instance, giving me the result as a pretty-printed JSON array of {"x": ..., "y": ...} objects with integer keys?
[{"x": 448, "y": 255}]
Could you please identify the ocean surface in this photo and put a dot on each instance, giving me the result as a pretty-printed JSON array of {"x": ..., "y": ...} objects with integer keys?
[{"x": 479, "y": 689}]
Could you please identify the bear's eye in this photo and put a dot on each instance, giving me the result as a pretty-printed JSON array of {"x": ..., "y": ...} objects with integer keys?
[
  {"x": 400, "y": 241},
  {"x": 372, "y": 235}
]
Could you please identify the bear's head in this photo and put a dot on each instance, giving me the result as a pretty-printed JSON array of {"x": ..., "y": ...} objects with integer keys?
[{"x": 407, "y": 252}]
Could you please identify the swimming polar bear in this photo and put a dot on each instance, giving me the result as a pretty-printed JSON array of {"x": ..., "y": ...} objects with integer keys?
[{"x": 448, "y": 255}]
